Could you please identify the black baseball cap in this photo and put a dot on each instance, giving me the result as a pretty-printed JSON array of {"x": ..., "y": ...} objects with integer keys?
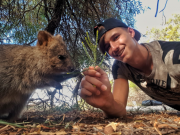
[{"x": 110, "y": 24}]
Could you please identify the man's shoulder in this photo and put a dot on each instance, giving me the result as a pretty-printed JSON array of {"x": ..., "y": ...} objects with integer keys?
[
  {"x": 117, "y": 64},
  {"x": 119, "y": 69},
  {"x": 163, "y": 43},
  {"x": 168, "y": 42}
]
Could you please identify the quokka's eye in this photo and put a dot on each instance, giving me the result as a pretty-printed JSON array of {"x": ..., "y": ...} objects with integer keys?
[{"x": 62, "y": 57}]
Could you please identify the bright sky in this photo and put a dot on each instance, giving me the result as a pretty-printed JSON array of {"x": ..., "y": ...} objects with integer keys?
[{"x": 148, "y": 20}]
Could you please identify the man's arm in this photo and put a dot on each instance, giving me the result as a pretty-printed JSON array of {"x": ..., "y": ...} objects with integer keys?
[{"x": 120, "y": 94}]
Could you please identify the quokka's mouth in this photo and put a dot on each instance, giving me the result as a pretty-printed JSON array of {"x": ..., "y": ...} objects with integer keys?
[{"x": 68, "y": 73}]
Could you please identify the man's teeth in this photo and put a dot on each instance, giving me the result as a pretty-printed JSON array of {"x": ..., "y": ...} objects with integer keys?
[{"x": 121, "y": 52}]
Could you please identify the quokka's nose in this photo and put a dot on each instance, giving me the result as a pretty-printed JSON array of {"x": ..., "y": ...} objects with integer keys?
[{"x": 72, "y": 69}]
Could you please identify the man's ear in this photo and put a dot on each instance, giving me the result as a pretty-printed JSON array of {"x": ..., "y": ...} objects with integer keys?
[{"x": 131, "y": 32}]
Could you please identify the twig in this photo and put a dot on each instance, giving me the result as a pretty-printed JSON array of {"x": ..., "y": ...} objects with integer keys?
[
  {"x": 4, "y": 128},
  {"x": 62, "y": 119},
  {"x": 156, "y": 127}
]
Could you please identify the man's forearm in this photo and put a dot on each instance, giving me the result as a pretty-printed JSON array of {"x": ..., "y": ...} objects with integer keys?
[{"x": 115, "y": 110}]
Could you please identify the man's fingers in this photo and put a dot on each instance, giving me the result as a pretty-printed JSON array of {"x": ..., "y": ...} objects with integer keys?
[
  {"x": 91, "y": 72},
  {"x": 85, "y": 71},
  {"x": 95, "y": 71},
  {"x": 94, "y": 83},
  {"x": 88, "y": 85},
  {"x": 83, "y": 93},
  {"x": 98, "y": 69}
]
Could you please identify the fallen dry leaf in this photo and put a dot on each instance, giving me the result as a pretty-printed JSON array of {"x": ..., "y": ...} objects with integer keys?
[
  {"x": 76, "y": 128},
  {"x": 177, "y": 119},
  {"x": 108, "y": 130},
  {"x": 113, "y": 125}
]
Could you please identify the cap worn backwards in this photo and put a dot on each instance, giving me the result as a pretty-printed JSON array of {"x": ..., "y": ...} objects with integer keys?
[{"x": 110, "y": 24}]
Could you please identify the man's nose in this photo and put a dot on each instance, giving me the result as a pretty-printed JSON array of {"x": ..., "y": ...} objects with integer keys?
[{"x": 114, "y": 46}]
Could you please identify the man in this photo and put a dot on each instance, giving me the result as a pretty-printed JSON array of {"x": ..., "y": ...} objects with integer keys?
[{"x": 154, "y": 67}]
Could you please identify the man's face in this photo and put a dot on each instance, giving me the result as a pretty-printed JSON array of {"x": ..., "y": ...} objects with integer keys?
[{"x": 119, "y": 43}]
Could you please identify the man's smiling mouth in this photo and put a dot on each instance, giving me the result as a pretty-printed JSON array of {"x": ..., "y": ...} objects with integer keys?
[{"x": 119, "y": 53}]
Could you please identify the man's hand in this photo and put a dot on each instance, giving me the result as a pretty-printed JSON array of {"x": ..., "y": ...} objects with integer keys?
[{"x": 96, "y": 88}]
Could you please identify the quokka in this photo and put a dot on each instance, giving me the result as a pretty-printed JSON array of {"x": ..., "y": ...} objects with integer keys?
[{"x": 26, "y": 68}]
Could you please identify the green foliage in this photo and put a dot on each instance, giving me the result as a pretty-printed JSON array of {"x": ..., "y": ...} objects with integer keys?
[
  {"x": 112, "y": 82},
  {"x": 170, "y": 31},
  {"x": 93, "y": 48},
  {"x": 133, "y": 85},
  {"x": 20, "y": 22},
  {"x": 11, "y": 124}
]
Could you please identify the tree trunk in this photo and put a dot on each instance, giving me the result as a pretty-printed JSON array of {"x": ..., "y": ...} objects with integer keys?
[{"x": 56, "y": 18}]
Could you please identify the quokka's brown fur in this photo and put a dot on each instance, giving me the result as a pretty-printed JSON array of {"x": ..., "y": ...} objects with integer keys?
[{"x": 25, "y": 68}]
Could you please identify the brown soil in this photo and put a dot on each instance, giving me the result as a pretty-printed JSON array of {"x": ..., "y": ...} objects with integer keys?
[{"x": 86, "y": 122}]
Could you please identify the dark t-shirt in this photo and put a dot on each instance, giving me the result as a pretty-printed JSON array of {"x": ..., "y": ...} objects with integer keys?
[{"x": 163, "y": 84}]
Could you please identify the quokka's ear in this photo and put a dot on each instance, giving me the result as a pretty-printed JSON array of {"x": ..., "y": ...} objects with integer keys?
[{"x": 43, "y": 37}]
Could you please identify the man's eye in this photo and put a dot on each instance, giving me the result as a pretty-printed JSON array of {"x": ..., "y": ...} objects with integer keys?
[{"x": 116, "y": 37}]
